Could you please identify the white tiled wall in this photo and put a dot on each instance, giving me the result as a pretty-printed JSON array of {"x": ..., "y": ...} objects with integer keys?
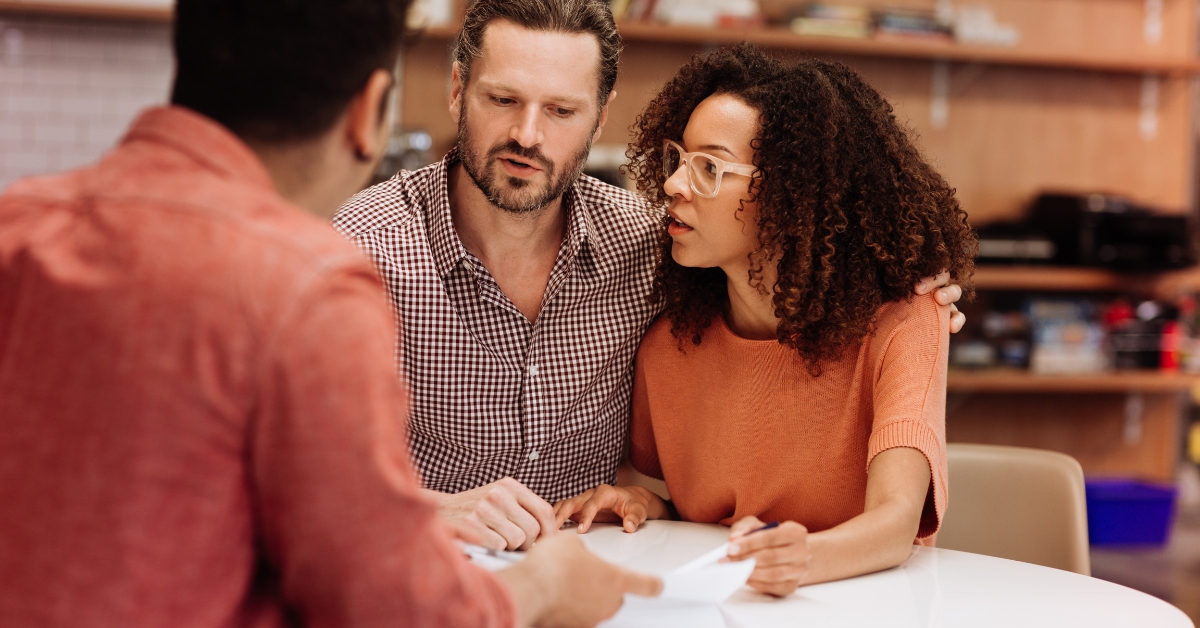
[{"x": 69, "y": 87}]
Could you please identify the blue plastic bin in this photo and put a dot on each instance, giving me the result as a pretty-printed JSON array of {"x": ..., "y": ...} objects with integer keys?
[{"x": 1129, "y": 512}]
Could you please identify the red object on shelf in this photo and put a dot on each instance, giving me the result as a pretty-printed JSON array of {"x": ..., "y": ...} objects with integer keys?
[
  {"x": 1117, "y": 312},
  {"x": 1172, "y": 339}
]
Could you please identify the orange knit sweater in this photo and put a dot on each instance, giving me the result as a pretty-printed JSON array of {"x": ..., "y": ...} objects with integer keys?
[{"x": 738, "y": 427}]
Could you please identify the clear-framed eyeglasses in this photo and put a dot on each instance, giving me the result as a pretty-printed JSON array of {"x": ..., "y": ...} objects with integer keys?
[{"x": 704, "y": 171}]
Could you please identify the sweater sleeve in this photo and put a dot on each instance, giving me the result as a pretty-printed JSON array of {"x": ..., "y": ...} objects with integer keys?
[
  {"x": 643, "y": 448},
  {"x": 341, "y": 517},
  {"x": 910, "y": 396}
]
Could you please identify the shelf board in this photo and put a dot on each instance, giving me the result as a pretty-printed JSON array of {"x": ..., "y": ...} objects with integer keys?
[
  {"x": 1014, "y": 380},
  {"x": 778, "y": 38},
  {"x": 1055, "y": 278},
  {"x": 932, "y": 49},
  {"x": 1164, "y": 285},
  {"x": 89, "y": 9}
]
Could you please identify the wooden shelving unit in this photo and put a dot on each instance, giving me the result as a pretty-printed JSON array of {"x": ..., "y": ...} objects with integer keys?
[
  {"x": 89, "y": 9},
  {"x": 1022, "y": 381},
  {"x": 769, "y": 37},
  {"x": 1162, "y": 285},
  {"x": 920, "y": 49},
  {"x": 1121, "y": 423},
  {"x": 931, "y": 49}
]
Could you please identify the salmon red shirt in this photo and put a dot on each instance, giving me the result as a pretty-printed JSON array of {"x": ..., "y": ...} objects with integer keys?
[{"x": 200, "y": 421}]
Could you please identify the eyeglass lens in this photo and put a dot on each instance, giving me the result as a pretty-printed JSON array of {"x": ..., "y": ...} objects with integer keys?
[{"x": 703, "y": 172}]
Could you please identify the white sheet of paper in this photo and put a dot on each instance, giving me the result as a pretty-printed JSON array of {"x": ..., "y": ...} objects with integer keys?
[
  {"x": 709, "y": 558},
  {"x": 491, "y": 560},
  {"x": 703, "y": 580},
  {"x": 711, "y": 584}
]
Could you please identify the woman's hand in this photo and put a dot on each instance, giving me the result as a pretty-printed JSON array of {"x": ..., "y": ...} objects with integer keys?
[
  {"x": 631, "y": 505},
  {"x": 782, "y": 553}
]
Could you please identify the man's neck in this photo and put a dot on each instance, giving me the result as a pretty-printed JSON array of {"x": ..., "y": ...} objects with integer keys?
[
  {"x": 519, "y": 250},
  {"x": 310, "y": 174}
]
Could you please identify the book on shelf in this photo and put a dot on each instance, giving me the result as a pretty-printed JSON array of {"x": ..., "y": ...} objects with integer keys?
[
  {"x": 911, "y": 23},
  {"x": 830, "y": 28},
  {"x": 832, "y": 21},
  {"x": 701, "y": 13}
]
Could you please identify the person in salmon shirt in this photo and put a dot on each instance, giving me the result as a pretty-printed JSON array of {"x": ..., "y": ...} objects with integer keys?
[
  {"x": 200, "y": 420},
  {"x": 794, "y": 376}
]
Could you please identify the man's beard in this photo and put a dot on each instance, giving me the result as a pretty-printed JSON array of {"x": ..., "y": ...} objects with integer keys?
[{"x": 513, "y": 195}]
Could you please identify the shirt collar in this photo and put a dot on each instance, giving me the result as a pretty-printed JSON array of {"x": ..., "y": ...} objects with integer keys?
[
  {"x": 204, "y": 140},
  {"x": 447, "y": 248}
]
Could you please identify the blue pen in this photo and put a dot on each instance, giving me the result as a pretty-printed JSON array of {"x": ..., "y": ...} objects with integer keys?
[
  {"x": 773, "y": 524},
  {"x": 719, "y": 553}
]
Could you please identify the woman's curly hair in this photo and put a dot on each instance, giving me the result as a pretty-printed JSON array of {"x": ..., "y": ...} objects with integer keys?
[{"x": 846, "y": 203}]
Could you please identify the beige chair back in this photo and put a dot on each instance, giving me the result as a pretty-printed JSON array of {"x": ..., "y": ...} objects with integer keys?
[{"x": 1017, "y": 503}]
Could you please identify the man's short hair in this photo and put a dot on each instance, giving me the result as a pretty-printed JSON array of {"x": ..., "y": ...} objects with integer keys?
[
  {"x": 281, "y": 70},
  {"x": 561, "y": 16}
]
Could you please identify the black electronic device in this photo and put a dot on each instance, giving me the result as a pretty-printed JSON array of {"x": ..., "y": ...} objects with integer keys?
[{"x": 1091, "y": 230}]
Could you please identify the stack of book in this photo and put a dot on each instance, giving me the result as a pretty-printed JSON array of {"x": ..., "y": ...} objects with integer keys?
[
  {"x": 833, "y": 20},
  {"x": 861, "y": 22},
  {"x": 690, "y": 12},
  {"x": 911, "y": 23}
]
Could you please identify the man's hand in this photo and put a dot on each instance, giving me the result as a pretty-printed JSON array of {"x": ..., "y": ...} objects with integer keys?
[
  {"x": 500, "y": 515},
  {"x": 947, "y": 294},
  {"x": 631, "y": 505},
  {"x": 782, "y": 554},
  {"x": 561, "y": 583}
]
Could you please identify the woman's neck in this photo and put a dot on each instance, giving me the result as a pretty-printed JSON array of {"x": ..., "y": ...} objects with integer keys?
[{"x": 751, "y": 312}]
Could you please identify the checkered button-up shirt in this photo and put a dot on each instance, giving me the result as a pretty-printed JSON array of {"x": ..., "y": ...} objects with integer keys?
[{"x": 495, "y": 395}]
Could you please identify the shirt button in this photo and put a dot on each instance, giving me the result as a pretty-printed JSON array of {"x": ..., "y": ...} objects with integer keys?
[
  {"x": 533, "y": 455},
  {"x": 533, "y": 370}
]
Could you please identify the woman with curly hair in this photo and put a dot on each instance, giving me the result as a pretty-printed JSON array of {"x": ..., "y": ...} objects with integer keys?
[{"x": 794, "y": 376}]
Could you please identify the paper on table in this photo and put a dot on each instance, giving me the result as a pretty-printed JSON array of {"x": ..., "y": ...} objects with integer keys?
[
  {"x": 491, "y": 560},
  {"x": 709, "y": 558},
  {"x": 701, "y": 580},
  {"x": 711, "y": 584}
]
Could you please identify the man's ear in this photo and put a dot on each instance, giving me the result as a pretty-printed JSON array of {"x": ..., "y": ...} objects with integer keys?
[
  {"x": 367, "y": 119},
  {"x": 603, "y": 116},
  {"x": 456, "y": 93}
]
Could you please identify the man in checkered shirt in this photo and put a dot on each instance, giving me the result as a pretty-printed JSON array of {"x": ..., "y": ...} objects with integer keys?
[{"x": 520, "y": 285}]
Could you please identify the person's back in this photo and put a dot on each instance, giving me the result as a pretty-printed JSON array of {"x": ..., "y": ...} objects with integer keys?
[
  {"x": 200, "y": 421},
  {"x": 164, "y": 319}
]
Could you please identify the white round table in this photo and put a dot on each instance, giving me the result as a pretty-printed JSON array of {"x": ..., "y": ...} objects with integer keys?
[{"x": 934, "y": 588}]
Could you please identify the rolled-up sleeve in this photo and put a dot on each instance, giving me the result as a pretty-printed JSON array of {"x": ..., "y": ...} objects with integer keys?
[{"x": 910, "y": 398}]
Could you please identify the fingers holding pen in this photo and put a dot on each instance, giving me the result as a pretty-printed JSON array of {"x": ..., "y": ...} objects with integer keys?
[
  {"x": 744, "y": 526},
  {"x": 502, "y": 515},
  {"x": 781, "y": 554}
]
